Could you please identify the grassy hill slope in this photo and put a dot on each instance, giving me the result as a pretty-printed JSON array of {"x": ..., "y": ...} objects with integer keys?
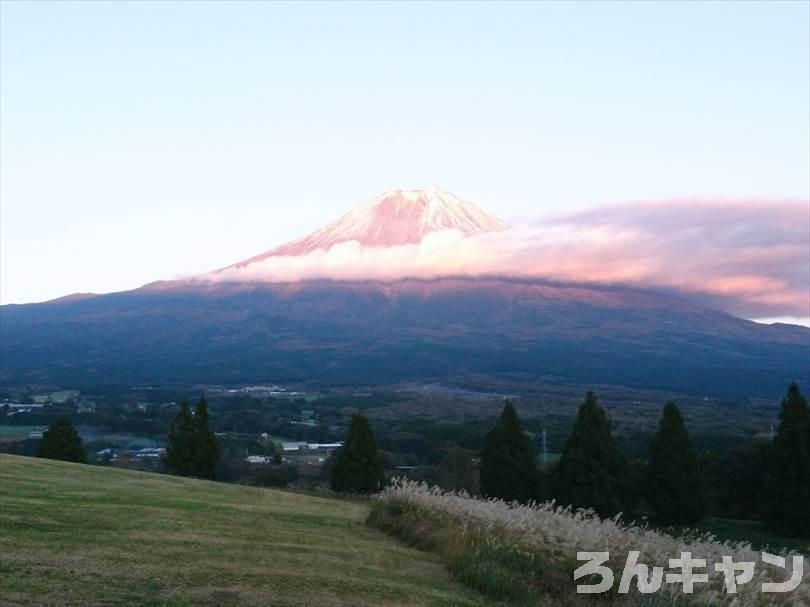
[{"x": 86, "y": 535}]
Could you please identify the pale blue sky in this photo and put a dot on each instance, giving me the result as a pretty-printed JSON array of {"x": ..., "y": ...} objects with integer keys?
[{"x": 142, "y": 141}]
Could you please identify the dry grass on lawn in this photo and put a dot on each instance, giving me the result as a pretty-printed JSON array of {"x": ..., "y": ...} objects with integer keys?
[{"x": 86, "y": 535}]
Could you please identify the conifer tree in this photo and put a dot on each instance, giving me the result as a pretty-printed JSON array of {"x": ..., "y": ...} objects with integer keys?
[
  {"x": 788, "y": 483},
  {"x": 359, "y": 468},
  {"x": 508, "y": 470},
  {"x": 193, "y": 449},
  {"x": 674, "y": 485},
  {"x": 592, "y": 472},
  {"x": 61, "y": 441},
  {"x": 180, "y": 448},
  {"x": 206, "y": 448}
]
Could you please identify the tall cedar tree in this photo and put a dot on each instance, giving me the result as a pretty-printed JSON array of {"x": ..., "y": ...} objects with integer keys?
[
  {"x": 737, "y": 479},
  {"x": 61, "y": 441},
  {"x": 788, "y": 508},
  {"x": 593, "y": 472},
  {"x": 674, "y": 480},
  {"x": 180, "y": 448},
  {"x": 508, "y": 470},
  {"x": 206, "y": 448},
  {"x": 193, "y": 449},
  {"x": 359, "y": 468}
]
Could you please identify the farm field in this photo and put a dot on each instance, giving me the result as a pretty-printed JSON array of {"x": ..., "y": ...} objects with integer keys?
[
  {"x": 87, "y": 535},
  {"x": 17, "y": 432},
  {"x": 59, "y": 396}
]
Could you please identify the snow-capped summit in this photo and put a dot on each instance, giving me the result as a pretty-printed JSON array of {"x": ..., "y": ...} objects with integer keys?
[{"x": 394, "y": 218}]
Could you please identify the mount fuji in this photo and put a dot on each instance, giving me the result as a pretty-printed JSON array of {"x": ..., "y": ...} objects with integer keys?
[
  {"x": 394, "y": 218},
  {"x": 466, "y": 330}
]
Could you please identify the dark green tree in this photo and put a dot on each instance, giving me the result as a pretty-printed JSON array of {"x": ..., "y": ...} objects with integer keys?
[
  {"x": 193, "y": 449},
  {"x": 180, "y": 448},
  {"x": 205, "y": 460},
  {"x": 736, "y": 481},
  {"x": 358, "y": 468},
  {"x": 508, "y": 470},
  {"x": 674, "y": 486},
  {"x": 593, "y": 472},
  {"x": 788, "y": 482},
  {"x": 458, "y": 471},
  {"x": 61, "y": 441}
]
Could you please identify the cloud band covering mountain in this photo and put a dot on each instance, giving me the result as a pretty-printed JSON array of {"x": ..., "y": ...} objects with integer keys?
[{"x": 748, "y": 257}]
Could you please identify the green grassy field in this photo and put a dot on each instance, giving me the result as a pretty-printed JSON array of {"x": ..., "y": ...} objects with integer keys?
[
  {"x": 755, "y": 533},
  {"x": 17, "y": 432},
  {"x": 87, "y": 535},
  {"x": 59, "y": 396}
]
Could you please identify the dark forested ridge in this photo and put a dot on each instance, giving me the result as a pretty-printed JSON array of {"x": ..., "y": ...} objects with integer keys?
[{"x": 343, "y": 333}]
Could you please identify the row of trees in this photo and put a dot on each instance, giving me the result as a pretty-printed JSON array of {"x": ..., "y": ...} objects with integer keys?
[
  {"x": 593, "y": 472},
  {"x": 192, "y": 449}
]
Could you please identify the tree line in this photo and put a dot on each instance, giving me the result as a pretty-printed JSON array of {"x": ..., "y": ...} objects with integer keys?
[
  {"x": 192, "y": 450},
  {"x": 592, "y": 472}
]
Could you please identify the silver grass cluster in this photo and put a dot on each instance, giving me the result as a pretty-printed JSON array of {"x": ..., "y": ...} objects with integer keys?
[{"x": 554, "y": 533}]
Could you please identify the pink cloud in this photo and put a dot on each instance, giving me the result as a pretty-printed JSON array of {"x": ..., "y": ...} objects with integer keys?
[{"x": 750, "y": 258}]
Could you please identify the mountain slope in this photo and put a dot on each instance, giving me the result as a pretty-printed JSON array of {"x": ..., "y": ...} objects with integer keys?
[
  {"x": 393, "y": 218},
  {"x": 360, "y": 333},
  {"x": 86, "y": 535},
  {"x": 487, "y": 330}
]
